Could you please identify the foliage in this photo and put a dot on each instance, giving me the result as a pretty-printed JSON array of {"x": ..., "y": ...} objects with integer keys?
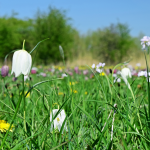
[
  {"x": 111, "y": 44},
  {"x": 89, "y": 108},
  {"x": 55, "y": 26},
  {"x": 12, "y": 33}
]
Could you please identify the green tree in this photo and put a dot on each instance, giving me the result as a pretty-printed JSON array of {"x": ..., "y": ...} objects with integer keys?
[
  {"x": 12, "y": 33},
  {"x": 55, "y": 26},
  {"x": 112, "y": 44}
]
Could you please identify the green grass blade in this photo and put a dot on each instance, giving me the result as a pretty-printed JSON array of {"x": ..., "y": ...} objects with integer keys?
[{"x": 38, "y": 44}]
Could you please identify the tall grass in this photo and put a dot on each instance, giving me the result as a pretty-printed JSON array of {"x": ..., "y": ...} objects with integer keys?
[
  {"x": 100, "y": 114},
  {"x": 90, "y": 111}
]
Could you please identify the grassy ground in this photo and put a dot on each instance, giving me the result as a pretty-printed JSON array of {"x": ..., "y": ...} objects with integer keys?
[{"x": 100, "y": 114}]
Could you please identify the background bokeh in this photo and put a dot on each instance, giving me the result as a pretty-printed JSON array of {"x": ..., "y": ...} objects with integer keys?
[{"x": 88, "y": 31}]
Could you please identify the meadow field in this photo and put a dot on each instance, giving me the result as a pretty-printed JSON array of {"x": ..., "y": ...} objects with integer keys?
[
  {"x": 93, "y": 107},
  {"x": 58, "y": 107},
  {"x": 65, "y": 89}
]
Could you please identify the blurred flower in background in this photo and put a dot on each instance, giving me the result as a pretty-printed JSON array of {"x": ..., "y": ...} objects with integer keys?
[
  {"x": 145, "y": 41},
  {"x": 4, "y": 71},
  {"x": 64, "y": 75},
  {"x": 34, "y": 70},
  {"x": 76, "y": 69},
  {"x": 43, "y": 74},
  {"x": 93, "y": 66},
  {"x": 85, "y": 72},
  {"x": 138, "y": 65},
  {"x": 98, "y": 70},
  {"x": 142, "y": 73}
]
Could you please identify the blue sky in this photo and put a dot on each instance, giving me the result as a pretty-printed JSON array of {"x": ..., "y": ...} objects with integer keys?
[{"x": 88, "y": 14}]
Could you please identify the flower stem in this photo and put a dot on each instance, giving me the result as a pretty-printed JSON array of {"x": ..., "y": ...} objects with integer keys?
[
  {"x": 23, "y": 44},
  {"x": 148, "y": 89},
  {"x": 24, "y": 104}
]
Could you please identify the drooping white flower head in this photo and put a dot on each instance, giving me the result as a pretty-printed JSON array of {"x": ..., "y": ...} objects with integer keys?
[
  {"x": 21, "y": 63},
  {"x": 64, "y": 75},
  {"x": 126, "y": 72},
  {"x": 58, "y": 121},
  {"x": 145, "y": 41}
]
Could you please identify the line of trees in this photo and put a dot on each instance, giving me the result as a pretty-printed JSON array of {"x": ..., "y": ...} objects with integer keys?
[{"x": 112, "y": 43}]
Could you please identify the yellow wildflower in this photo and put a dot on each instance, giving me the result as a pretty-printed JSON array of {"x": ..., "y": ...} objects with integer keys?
[
  {"x": 60, "y": 93},
  {"x": 102, "y": 74},
  {"x": 85, "y": 93},
  {"x": 75, "y": 91},
  {"x": 72, "y": 83},
  {"x": 4, "y": 126},
  {"x": 59, "y": 68}
]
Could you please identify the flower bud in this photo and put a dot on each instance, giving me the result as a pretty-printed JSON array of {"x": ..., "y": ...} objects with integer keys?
[
  {"x": 61, "y": 51},
  {"x": 4, "y": 71},
  {"x": 6, "y": 85},
  {"x": 14, "y": 79},
  {"x": 18, "y": 85}
]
